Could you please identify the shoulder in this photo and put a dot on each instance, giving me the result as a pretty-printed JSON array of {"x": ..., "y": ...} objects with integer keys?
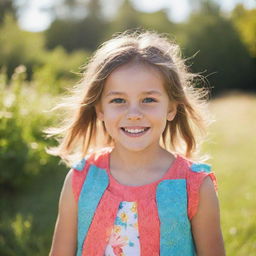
[
  {"x": 188, "y": 168},
  {"x": 67, "y": 186},
  {"x": 200, "y": 167},
  {"x": 96, "y": 157},
  {"x": 99, "y": 158},
  {"x": 200, "y": 173},
  {"x": 207, "y": 190},
  {"x": 196, "y": 172},
  {"x": 200, "y": 180},
  {"x": 194, "y": 167}
]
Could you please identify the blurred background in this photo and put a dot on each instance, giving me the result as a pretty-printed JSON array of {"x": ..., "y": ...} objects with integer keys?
[{"x": 44, "y": 43}]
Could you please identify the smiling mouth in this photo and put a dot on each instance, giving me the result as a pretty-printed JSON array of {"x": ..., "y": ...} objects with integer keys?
[{"x": 135, "y": 131}]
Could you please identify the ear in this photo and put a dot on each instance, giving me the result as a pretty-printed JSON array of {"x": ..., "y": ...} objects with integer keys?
[
  {"x": 99, "y": 112},
  {"x": 172, "y": 112}
]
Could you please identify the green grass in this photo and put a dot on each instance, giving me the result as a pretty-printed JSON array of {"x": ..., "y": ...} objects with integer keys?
[
  {"x": 27, "y": 218},
  {"x": 233, "y": 150}
]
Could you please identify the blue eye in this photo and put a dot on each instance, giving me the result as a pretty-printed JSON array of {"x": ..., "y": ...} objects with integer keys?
[
  {"x": 149, "y": 100},
  {"x": 117, "y": 100}
]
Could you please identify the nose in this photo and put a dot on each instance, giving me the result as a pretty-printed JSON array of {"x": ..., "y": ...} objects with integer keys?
[{"x": 134, "y": 114}]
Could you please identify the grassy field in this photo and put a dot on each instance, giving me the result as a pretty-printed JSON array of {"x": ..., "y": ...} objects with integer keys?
[
  {"x": 28, "y": 218},
  {"x": 233, "y": 149}
]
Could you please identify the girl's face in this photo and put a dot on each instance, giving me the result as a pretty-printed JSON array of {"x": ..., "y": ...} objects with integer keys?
[{"x": 135, "y": 107}]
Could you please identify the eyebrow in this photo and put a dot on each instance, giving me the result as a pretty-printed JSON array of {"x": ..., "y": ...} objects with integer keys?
[{"x": 111, "y": 93}]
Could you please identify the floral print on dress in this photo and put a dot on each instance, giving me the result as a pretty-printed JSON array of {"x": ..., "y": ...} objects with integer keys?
[{"x": 124, "y": 238}]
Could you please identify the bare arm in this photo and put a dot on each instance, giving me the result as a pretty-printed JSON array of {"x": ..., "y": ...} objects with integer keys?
[
  {"x": 206, "y": 223},
  {"x": 64, "y": 238}
]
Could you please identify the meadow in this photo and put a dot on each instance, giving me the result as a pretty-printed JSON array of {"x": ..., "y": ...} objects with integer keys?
[
  {"x": 233, "y": 149},
  {"x": 32, "y": 181}
]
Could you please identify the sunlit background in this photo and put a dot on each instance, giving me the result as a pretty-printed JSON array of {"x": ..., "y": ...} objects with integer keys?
[
  {"x": 35, "y": 15},
  {"x": 43, "y": 44}
]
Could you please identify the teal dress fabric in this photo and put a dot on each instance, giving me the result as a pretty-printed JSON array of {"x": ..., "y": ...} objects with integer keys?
[
  {"x": 175, "y": 232},
  {"x": 93, "y": 188}
]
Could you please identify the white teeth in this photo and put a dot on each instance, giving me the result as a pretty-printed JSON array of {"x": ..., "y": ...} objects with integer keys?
[{"x": 134, "y": 130}]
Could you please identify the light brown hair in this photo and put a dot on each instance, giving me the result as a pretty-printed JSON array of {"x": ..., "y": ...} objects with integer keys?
[{"x": 82, "y": 130}]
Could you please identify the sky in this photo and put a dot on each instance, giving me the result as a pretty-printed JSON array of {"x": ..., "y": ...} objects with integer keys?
[{"x": 35, "y": 17}]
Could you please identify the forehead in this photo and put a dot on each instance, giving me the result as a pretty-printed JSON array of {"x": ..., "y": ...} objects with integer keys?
[{"x": 134, "y": 78}]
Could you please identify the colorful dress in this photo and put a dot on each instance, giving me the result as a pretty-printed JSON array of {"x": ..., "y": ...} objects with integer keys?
[{"x": 153, "y": 219}]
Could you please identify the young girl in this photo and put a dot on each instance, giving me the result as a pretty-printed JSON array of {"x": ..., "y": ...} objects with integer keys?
[{"x": 136, "y": 190}]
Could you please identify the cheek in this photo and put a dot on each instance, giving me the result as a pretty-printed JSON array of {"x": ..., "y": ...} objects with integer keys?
[
  {"x": 111, "y": 115},
  {"x": 111, "y": 120},
  {"x": 159, "y": 114},
  {"x": 109, "y": 111},
  {"x": 159, "y": 117}
]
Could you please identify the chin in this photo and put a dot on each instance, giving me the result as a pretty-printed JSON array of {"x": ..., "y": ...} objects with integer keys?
[{"x": 135, "y": 149}]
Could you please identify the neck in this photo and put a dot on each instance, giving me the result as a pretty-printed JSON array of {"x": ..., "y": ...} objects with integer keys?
[{"x": 132, "y": 161}]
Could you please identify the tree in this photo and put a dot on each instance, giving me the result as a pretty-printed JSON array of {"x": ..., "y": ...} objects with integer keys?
[
  {"x": 158, "y": 21},
  {"x": 77, "y": 31},
  {"x": 129, "y": 18},
  {"x": 245, "y": 23},
  {"x": 19, "y": 47},
  {"x": 6, "y": 7},
  {"x": 220, "y": 52}
]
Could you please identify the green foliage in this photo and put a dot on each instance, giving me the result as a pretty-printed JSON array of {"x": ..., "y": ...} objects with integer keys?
[
  {"x": 22, "y": 145},
  {"x": 29, "y": 177},
  {"x": 59, "y": 69},
  {"x": 19, "y": 47},
  {"x": 7, "y": 7},
  {"x": 220, "y": 53},
  {"x": 128, "y": 17},
  {"x": 50, "y": 68},
  {"x": 223, "y": 50},
  {"x": 83, "y": 34},
  {"x": 74, "y": 31},
  {"x": 18, "y": 231},
  {"x": 245, "y": 22},
  {"x": 27, "y": 219},
  {"x": 157, "y": 21}
]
